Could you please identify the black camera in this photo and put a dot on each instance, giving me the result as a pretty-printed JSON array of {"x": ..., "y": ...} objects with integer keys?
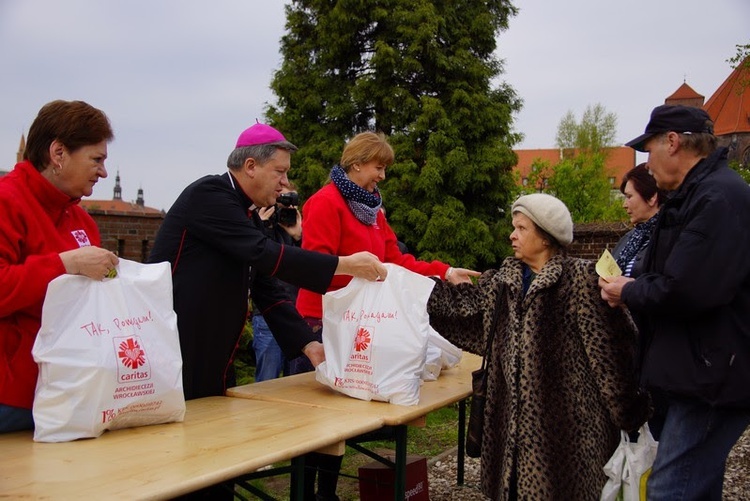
[{"x": 287, "y": 214}]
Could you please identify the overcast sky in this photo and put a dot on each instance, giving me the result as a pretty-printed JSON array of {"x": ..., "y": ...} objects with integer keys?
[{"x": 180, "y": 79}]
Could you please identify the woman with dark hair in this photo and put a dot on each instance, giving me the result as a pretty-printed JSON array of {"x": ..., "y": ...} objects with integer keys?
[
  {"x": 642, "y": 202},
  {"x": 45, "y": 234}
]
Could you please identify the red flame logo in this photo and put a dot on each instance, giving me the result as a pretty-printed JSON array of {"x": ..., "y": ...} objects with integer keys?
[
  {"x": 131, "y": 354},
  {"x": 362, "y": 339}
]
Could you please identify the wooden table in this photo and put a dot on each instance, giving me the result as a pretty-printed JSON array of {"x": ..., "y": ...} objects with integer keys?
[
  {"x": 220, "y": 439},
  {"x": 453, "y": 385}
]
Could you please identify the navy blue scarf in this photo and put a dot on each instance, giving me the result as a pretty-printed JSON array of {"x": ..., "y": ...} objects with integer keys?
[
  {"x": 363, "y": 204},
  {"x": 637, "y": 241}
]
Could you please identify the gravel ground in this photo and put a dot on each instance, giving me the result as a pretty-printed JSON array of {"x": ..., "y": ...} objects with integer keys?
[{"x": 442, "y": 475}]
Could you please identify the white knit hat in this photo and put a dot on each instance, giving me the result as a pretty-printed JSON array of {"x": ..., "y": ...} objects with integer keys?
[{"x": 549, "y": 213}]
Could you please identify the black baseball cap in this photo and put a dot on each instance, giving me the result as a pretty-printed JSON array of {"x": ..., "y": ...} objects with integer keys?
[{"x": 673, "y": 118}]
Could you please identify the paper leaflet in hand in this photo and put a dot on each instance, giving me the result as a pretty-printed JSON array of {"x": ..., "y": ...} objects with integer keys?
[{"x": 606, "y": 266}]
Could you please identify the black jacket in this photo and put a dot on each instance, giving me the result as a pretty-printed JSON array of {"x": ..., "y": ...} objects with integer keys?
[
  {"x": 692, "y": 302},
  {"x": 218, "y": 252}
]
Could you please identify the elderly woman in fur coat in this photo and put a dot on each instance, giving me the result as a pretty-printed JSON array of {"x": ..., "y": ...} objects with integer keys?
[{"x": 561, "y": 377}]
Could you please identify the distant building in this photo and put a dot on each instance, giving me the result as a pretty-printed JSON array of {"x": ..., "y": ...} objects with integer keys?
[
  {"x": 729, "y": 108},
  {"x": 686, "y": 96},
  {"x": 128, "y": 228},
  {"x": 619, "y": 161}
]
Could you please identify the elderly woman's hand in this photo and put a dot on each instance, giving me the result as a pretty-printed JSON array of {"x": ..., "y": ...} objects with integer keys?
[
  {"x": 92, "y": 262},
  {"x": 460, "y": 275}
]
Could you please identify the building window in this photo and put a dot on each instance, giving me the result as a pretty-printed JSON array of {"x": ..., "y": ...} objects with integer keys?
[
  {"x": 144, "y": 251},
  {"x": 525, "y": 181},
  {"x": 121, "y": 247}
]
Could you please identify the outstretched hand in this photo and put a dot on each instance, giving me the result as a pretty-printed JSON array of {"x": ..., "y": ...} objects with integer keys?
[
  {"x": 461, "y": 275},
  {"x": 362, "y": 264}
]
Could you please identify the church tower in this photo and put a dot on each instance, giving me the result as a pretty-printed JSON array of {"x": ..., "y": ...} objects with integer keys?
[
  {"x": 118, "y": 189},
  {"x": 21, "y": 148}
]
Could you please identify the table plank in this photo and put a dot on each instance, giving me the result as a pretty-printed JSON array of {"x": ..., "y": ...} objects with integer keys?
[
  {"x": 452, "y": 386},
  {"x": 220, "y": 439}
]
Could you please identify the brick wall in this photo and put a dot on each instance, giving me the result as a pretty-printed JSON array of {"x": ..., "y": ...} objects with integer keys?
[
  {"x": 130, "y": 236},
  {"x": 590, "y": 239}
]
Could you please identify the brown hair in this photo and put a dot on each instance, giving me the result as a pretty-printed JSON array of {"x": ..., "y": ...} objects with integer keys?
[
  {"x": 364, "y": 147},
  {"x": 701, "y": 143},
  {"x": 644, "y": 183},
  {"x": 74, "y": 123}
]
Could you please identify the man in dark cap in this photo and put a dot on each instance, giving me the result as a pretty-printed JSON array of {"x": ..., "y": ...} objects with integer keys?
[
  {"x": 692, "y": 304},
  {"x": 219, "y": 251}
]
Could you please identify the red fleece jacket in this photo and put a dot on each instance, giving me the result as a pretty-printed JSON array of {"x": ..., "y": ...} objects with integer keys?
[
  {"x": 38, "y": 223},
  {"x": 329, "y": 226}
]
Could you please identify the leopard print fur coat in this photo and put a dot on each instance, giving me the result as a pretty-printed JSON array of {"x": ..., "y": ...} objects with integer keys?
[{"x": 561, "y": 377}]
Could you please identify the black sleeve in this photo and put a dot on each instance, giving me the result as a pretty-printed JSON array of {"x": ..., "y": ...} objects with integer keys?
[
  {"x": 215, "y": 214},
  {"x": 289, "y": 329}
]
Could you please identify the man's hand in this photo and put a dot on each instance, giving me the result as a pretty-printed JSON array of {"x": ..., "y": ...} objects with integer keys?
[
  {"x": 612, "y": 289},
  {"x": 362, "y": 264},
  {"x": 314, "y": 351}
]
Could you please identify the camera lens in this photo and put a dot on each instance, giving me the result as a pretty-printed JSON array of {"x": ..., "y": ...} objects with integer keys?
[{"x": 291, "y": 198}]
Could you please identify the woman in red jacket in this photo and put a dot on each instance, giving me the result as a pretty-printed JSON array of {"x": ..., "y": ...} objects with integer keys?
[
  {"x": 343, "y": 217},
  {"x": 44, "y": 234}
]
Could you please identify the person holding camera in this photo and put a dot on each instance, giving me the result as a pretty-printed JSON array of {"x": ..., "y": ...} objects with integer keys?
[
  {"x": 342, "y": 217},
  {"x": 283, "y": 223}
]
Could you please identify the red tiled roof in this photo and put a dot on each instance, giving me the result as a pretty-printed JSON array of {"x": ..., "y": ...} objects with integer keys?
[
  {"x": 620, "y": 160},
  {"x": 117, "y": 206},
  {"x": 729, "y": 107},
  {"x": 684, "y": 92}
]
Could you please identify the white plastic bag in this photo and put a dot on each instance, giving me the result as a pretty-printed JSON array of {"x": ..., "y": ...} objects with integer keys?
[
  {"x": 108, "y": 354},
  {"x": 441, "y": 354},
  {"x": 375, "y": 337},
  {"x": 629, "y": 467}
]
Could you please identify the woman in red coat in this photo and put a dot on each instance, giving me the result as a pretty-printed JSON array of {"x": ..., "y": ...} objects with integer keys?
[
  {"x": 44, "y": 234},
  {"x": 341, "y": 218}
]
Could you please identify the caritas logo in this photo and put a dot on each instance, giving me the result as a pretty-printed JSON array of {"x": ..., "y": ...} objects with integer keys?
[
  {"x": 134, "y": 365},
  {"x": 363, "y": 339},
  {"x": 362, "y": 344},
  {"x": 131, "y": 354}
]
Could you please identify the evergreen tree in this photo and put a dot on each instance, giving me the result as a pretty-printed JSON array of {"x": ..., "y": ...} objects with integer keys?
[{"x": 423, "y": 72}]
